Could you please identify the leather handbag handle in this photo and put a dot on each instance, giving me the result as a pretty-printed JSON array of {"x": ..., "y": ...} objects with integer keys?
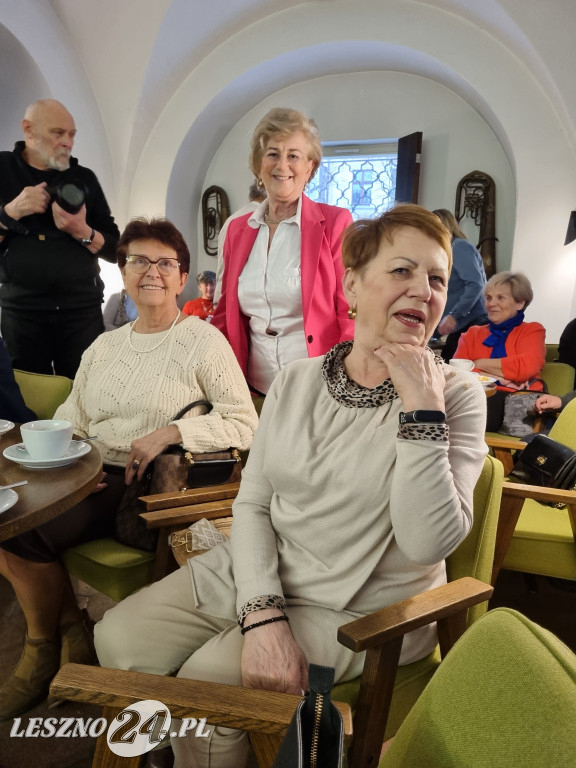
[{"x": 189, "y": 407}]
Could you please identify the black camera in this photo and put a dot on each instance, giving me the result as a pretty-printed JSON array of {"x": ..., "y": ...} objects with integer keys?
[{"x": 70, "y": 194}]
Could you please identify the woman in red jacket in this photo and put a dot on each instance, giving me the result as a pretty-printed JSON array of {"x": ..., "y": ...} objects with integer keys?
[
  {"x": 508, "y": 348},
  {"x": 282, "y": 296}
]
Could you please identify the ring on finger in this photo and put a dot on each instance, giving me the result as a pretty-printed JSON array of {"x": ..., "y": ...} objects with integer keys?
[{"x": 135, "y": 464}]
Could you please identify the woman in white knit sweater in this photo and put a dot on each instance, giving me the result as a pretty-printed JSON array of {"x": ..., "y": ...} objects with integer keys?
[
  {"x": 359, "y": 483},
  {"x": 130, "y": 384}
]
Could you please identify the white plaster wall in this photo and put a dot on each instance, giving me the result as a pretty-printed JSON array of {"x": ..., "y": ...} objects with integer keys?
[
  {"x": 16, "y": 92},
  {"x": 470, "y": 61}
]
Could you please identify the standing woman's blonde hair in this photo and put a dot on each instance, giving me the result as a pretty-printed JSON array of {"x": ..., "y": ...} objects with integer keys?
[
  {"x": 449, "y": 220},
  {"x": 283, "y": 121}
]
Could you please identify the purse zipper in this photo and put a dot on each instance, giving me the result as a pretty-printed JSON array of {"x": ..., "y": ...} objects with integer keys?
[{"x": 316, "y": 731}]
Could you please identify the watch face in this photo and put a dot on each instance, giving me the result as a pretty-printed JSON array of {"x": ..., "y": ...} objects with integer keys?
[{"x": 430, "y": 417}]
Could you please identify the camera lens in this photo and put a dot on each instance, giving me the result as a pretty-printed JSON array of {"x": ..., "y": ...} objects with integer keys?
[{"x": 70, "y": 197}]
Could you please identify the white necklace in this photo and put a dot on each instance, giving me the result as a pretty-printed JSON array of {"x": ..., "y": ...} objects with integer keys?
[{"x": 162, "y": 340}]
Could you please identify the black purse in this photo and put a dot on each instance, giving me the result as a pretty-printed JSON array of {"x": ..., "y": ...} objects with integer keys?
[
  {"x": 315, "y": 736},
  {"x": 547, "y": 463},
  {"x": 176, "y": 469}
]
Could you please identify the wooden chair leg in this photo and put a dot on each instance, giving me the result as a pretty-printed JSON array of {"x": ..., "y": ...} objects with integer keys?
[
  {"x": 450, "y": 629},
  {"x": 266, "y": 746},
  {"x": 510, "y": 508},
  {"x": 373, "y": 705}
]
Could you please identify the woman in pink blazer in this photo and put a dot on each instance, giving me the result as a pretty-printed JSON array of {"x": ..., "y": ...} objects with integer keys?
[{"x": 282, "y": 296}]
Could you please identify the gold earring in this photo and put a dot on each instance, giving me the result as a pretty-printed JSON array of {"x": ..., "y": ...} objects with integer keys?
[
  {"x": 260, "y": 184},
  {"x": 352, "y": 313}
]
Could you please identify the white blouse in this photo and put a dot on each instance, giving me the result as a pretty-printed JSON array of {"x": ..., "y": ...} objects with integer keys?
[{"x": 270, "y": 294}]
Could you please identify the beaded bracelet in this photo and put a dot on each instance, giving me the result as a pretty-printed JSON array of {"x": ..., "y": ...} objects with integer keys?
[{"x": 264, "y": 621}]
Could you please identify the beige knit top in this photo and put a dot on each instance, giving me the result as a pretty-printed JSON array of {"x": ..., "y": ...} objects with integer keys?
[
  {"x": 337, "y": 509},
  {"x": 120, "y": 394}
]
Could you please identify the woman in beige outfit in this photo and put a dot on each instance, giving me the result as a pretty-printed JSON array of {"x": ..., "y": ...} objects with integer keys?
[{"x": 358, "y": 485}]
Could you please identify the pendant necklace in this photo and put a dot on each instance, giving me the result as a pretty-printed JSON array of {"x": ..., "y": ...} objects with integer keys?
[{"x": 274, "y": 221}]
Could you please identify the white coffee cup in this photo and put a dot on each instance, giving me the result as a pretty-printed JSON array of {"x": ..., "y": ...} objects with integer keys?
[
  {"x": 47, "y": 438},
  {"x": 463, "y": 365}
]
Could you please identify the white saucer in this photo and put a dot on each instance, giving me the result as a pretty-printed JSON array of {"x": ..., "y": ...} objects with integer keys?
[
  {"x": 75, "y": 451},
  {"x": 8, "y": 498},
  {"x": 5, "y": 426},
  {"x": 486, "y": 381}
]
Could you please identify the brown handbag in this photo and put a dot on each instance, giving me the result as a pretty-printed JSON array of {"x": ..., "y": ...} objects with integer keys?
[{"x": 174, "y": 470}]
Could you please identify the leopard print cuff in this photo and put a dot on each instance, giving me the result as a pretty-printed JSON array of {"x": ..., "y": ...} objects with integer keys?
[
  {"x": 423, "y": 432},
  {"x": 258, "y": 604}
]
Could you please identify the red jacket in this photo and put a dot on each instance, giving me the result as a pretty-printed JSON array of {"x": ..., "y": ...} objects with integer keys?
[
  {"x": 525, "y": 347},
  {"x": 324, "y": 305}
]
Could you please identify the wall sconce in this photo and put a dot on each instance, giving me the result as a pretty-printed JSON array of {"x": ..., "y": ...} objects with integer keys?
[
  {"x": 215, "y": 211},
  {"x": 571, "y": 231},
  {"x": 476, "y": 198}
]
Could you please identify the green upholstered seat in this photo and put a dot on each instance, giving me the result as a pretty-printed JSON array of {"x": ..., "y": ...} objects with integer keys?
[
  {"x": 110, "y": 567},
  {"x": 504, "y": 697},
  {"x": 43, "y": 393},
  {"x": 559, "y": 378},
  {"x": 474, "y": 557},
  {"x": 543, "y": 541},
  {"x": 551, "y": 353}
]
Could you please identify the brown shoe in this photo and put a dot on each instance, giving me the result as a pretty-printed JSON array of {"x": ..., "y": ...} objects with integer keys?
[
  {"x": 29, "y": 683},
  {"x": 77, "y": 641}
]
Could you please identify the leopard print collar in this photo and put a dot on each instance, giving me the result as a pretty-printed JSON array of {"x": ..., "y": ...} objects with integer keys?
[{"x": 346, "y": 391}]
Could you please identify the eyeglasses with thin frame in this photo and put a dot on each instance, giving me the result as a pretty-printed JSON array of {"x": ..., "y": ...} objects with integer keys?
[{"x": 141, "y": 264}]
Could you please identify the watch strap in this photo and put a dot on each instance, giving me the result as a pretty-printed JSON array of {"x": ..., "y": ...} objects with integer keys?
[
  {"x": 88, "y": 240},
  {"x": 422, "y": 417}
]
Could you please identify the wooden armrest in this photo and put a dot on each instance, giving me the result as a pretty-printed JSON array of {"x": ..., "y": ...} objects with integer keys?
[
  {"x": 505, "y": 443},
  {"x": 231, "y": 706},
  {"x": 182, "y": 516},
  {"x": 396, "y": 620},
  {"x": 538, "y": 493},
  {"x": 189, "y": 497},
  {"x": 502, "y": 448}
]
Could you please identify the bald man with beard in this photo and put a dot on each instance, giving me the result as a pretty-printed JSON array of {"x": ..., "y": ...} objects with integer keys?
[{"x": 51, "y": 292}]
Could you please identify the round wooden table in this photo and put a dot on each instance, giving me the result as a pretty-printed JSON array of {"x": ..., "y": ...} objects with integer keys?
[{"x": 49, "y": 492}]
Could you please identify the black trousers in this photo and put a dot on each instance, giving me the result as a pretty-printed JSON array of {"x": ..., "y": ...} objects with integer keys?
[{"x": 50, "y": 341}]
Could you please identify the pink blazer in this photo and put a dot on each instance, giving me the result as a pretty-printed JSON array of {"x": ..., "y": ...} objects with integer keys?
[{"x": 324, "y": 306}]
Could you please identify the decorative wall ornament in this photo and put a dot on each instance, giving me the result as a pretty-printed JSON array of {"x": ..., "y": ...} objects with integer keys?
[
  {"x": 476, "y": 199},
  {"x": 215, "y": 211}
]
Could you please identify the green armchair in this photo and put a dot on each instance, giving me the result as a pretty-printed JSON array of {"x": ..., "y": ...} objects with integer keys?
[
  {"x": 43, "y": 393},
  {"x": 543, "y": 538},
  {"x": 504, "y": 696},
  {"x": 454, "y": 606}
]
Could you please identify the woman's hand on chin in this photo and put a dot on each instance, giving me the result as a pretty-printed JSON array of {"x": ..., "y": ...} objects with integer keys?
[
  {"x": 417, "y": 375},
  {"x": 272, "y": 659},
  {"x": 145, "y": 449}
]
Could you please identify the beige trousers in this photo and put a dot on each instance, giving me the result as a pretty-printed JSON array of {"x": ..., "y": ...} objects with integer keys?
[{"x": 158, "y": 630}]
